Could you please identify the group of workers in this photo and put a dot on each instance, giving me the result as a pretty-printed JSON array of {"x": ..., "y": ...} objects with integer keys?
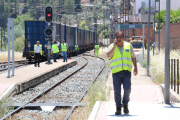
[
  {"x": 122, "y": 58},
  {"x": 54, "y": 51}
]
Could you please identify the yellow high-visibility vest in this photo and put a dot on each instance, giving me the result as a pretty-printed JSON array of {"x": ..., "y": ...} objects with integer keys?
[
  {"x": 64, "y": 47},
  {"x": 40, "y": 48},
  {"x": 121, "y": 62},
  {"x": 55, "y": 48},
  {"x": 96, "y": 48},
  {"x": 76, "y": 47}
]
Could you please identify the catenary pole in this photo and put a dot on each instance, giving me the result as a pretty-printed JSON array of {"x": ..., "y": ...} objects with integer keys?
[
  {"x": 167, "y": 37},
  {"x": 148, "y": 40},
  {"x": 143, "y": 40}
]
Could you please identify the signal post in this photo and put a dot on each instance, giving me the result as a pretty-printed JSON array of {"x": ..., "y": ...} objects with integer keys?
[{"x": 48, "y": 30}]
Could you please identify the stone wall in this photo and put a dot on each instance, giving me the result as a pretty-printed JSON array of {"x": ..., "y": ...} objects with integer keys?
[{"x": 174, "y": 36}]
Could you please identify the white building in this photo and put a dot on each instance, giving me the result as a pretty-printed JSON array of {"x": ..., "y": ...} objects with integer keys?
[
  {"x": 175, "y": 4},
  {"x": 142, "y": 3}
]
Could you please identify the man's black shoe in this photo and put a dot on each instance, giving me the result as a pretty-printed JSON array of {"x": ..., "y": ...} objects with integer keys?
[
  {"x": 118, "y": 111},
  {"x": 38, "y": 65},
  {"x": 34, "y": 65},
  {"x": 63, "y": 61},
  {"x": 126, "y": 110}
]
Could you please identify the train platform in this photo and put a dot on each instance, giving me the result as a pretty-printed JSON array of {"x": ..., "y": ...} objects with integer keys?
[
  {"x": 146, "y": 102},
  {"x": 28, "y": 76}
]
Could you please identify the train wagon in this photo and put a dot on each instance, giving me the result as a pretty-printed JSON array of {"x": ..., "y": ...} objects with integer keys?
[
  {"x": 34, "y": 31},
  {"x": 81, "y": 39}
]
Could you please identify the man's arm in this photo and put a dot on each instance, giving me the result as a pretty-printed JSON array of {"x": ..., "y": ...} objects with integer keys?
[
  {"x": 134, "y": 63},
  {"x": 111, "y": 51},
  {"x": 58, "y": 43}
]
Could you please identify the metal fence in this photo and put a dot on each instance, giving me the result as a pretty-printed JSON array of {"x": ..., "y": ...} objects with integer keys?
[{"x": 174, "y": 74}]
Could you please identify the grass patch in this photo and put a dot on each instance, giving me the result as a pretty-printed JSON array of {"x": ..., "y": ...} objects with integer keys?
[
  {"x": 5, "y": 108},
  {"x": 102, "y": 52},
  {"x": 156, "y": 67},
  {"x": 97, "y": 92},
  {"x": 17, "y": 56}
]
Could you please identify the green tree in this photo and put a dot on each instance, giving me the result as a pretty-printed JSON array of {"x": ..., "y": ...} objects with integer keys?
[
  {"x": 21, "y": 18},
  {"x": 83, "y": 25},
  {"x": 174, "y": 17},
  {"x": 17, "y": 6},
  {"x": 70, "y": 4},
  {"x": 19, "y": 25},
  {"x": 18, "y": 31},
  {"x": 19, "y": 43}
]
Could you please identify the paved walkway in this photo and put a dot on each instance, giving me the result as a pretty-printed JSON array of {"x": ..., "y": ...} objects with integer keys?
[
  {"x": 146, "y": 102},
  {"x": 140, "y": 111}
]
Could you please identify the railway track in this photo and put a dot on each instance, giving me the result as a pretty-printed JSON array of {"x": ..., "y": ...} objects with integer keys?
[
  {"x": 17, "y": 63},
  {"x": 65, "y": 90}
]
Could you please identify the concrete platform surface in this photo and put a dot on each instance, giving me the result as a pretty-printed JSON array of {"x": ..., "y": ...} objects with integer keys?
[
  {"x": 3, "y": 87},
  {"x": 140, "y": 111},
  {"x": 25, "y": 74}
]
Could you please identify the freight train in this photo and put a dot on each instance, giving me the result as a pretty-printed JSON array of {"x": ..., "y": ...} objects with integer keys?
[{"x": 34, "y": 31}]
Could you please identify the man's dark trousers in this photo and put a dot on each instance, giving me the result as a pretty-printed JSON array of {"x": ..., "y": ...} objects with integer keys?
[
  {"x": 54, "y": 56},
  {"x": 37, "y": 58},
  {"x": 76, "y": 52},
  {"x": 123, "y": 77},
  {"x": 64, "y": 55}
]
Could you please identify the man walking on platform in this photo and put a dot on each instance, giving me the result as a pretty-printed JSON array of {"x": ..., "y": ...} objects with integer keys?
[
  {"x": 76, "y": 49},
  {"x": 96, "y": 50},
  {"x": 37, "y": 53},
  {"x": 121, "y": 55},
  {"x": 55, "y": 49},
  {"x": 64, "y": 48}
]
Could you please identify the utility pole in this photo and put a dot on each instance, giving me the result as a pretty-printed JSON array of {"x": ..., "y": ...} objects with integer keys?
[
  {"x": 2, "y": 24},
  {"x": 167, "y": 37},
  {"x": 107, "y": 24},
  {"x": 148, "y": 40},
  {"x": 104, "y": 23},
  {"x": 95, "y": 24},
  {"x": 77, "y": 21}
]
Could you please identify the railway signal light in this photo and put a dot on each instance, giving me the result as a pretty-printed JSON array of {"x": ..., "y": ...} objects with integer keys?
[
  {"x": 48, "y": 32},
  {"x": 48, "y": 14}
]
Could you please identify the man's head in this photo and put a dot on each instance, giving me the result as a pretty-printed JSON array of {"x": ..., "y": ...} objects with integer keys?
[
  {"x": 63, "y": 41},
  {"x": 55, "y": 42},
  {"x": 38, "y": 43},
  {"x": 119, "y": 37}
]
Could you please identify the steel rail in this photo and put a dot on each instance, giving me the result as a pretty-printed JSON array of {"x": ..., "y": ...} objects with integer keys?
[
  {"x": 74, "y": 106},
  {"x": 45, "y": 91},
  {"x": 19, "y": 62}
]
